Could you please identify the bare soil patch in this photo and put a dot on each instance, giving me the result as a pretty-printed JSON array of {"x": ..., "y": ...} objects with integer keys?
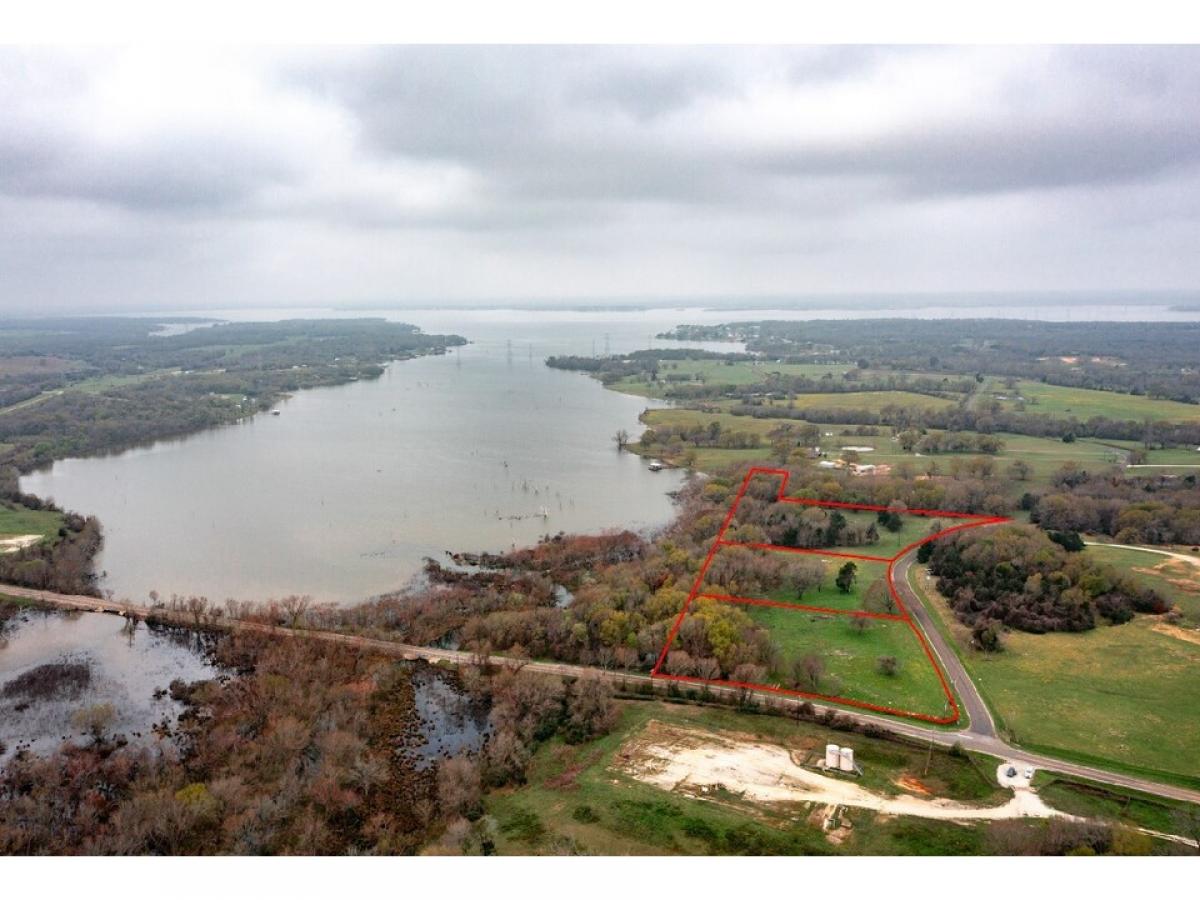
[
  {"x": 717, "y": 766},
  {"x": 1184, "y": 634}
]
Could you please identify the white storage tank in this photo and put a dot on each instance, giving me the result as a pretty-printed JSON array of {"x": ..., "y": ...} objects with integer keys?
[
  {"x": 832, "y": 756},
  {"x": 847, "y": 759}
]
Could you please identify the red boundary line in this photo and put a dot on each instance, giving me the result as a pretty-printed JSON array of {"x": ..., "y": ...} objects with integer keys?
[{"x": 976, "y": 521}]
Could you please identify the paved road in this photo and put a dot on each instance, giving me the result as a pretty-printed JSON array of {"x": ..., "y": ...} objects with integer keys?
[
  {"x": 981, "y": 722},
  {"x": 973, "y": 740},
  {"x": 1195, "y": 561}
]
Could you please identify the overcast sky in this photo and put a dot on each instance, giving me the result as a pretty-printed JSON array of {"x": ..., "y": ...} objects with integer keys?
[{"x": 184, "y": 178}]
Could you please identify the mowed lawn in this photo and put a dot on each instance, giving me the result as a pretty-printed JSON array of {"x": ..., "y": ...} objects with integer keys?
[
  {"x": 1173, "y": 578},
  {"x": 912, "y": 528},
  {"x": 690, "y": 418},
  {"x": 1083, "y": 404},
  {"x": 870, "y": 401},
  {"x": 713, "y": 371},
  {"x": 827, "y": 594},
  {"x": 16, "y": 521},
  {"x": 716, "y": 372},
  {"x": 1126, "y": 694},
  {"x": 851, "y": 658}
]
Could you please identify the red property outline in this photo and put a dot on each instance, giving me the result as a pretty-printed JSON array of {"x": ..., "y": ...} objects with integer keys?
[{"x": 974, "y": 521}]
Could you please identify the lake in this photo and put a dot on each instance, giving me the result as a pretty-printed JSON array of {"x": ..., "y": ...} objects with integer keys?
[{"x": 343, "y": 494}]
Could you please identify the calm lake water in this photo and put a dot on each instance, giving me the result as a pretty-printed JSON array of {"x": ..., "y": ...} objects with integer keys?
[{"x": 344, "y": 493}]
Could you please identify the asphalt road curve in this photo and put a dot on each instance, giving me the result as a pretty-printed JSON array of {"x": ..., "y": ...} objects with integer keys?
[{"x": 981, "y": 722}]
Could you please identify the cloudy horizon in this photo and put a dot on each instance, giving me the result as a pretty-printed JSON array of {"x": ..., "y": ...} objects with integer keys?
[{"x": 179, "y": 178}]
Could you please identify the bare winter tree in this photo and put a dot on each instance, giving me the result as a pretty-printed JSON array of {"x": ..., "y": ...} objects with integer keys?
[
  {"x": 197, "y": 606},
  {"x": 295, "y": 608},
  {"x": 708, "y": 668},
  {"x": 878, "y": 598},
  {"x": 460, "y": 786},
  {"x": 808, "y": 671},
  {"x": 806, "y": 574},
  {"x": 680, "y": 662}
]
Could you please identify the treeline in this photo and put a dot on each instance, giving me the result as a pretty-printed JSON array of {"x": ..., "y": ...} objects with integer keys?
[
  {"x": 103, "y": 346},
  {"x": 62, "y": 564},
  {"x": 1143, "y": 511},
  {"x": 810, "y": 527},
  {"x": 640, "y": 363},
  {"x": 647, "y": 365},
  {"x": 699, "y": 435},
  {"x": 1156, "y": 359},
  {"x": 960, "y": 418},
  {"x": 1017, "y": 577},
  {"x": 781, "y": 387},
  {"x": 911, "y": 440}
]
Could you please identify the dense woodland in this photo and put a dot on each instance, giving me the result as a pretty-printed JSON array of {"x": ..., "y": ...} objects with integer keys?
[
  {"x": 1149, "y": 511},
  {"x": 1018, "y": 577},
  {"x": 304, "y": 749}
]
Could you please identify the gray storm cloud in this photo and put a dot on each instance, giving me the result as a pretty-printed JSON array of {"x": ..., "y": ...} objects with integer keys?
[{"x": 143, "y": 178}]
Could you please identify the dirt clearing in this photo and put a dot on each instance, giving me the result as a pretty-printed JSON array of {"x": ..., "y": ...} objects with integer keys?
[
  {"x": 1191, "y": 635},
  {"x": 711, "y": 766},
  {"x": 18, "y": 542}
]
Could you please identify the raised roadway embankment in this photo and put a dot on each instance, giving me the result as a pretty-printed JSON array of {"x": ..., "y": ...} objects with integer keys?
[{"x": 974, "y": 737}]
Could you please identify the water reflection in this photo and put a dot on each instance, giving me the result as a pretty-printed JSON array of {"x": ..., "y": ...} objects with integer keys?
[{"x": 53, "y": 665}]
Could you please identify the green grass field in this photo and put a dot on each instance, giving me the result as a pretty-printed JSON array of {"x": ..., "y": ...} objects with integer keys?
[
  {"x": 716, "y": 372},
  {"x": 871, "y": 401},
  {"x": 890, "y": 543},
  {"x": 1083, "y": 404},
  {"x": 851, "y": 658},
  {"x": 827, "y": 594},
  {"x": 1124, "y": 696},
  {"x": 577, "y": 801},
  {"x": 1085, "y": 798},
  {"x": 106, "y": 382},
  {"x": 1174, "y": 456},
  {"x": 19, "y": 521}
]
